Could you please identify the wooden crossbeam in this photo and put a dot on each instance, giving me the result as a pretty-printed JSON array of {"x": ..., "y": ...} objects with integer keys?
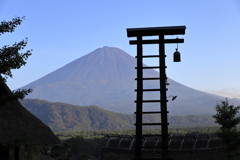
[
  {"x": 151, "y": 112},
  {"x": 154, "y": 31},
  {"x": 149, "y": 56},
  {"x": 156, "y": 41}
]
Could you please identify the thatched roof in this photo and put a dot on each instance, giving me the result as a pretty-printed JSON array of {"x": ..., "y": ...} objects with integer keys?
[{"x": 16, "y": 121}]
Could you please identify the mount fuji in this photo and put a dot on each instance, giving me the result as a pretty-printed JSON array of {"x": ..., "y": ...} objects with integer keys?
[{"x": 105, "y": 78}]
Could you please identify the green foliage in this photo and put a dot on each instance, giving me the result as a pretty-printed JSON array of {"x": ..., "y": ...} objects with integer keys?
[
  {"x": 6, "y": 99},
  {"x": 228, "y": 118},
  {"x": 9, "y": 143},
  {"x": 85, "y": 148},
  {"x": 10, "y": 25},
  {"x": 11, "y": 58},
  {"x": 85, "y": 156},
  {"x": 66, "y": 117},
  {"x": 97, "y": 135},
  {"x": 60, "y": 151}
]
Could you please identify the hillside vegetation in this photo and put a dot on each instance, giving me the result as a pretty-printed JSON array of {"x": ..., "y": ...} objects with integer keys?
[{"x": 66, "y": 117}]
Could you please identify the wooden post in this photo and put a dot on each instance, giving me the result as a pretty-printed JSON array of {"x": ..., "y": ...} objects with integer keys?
[
  {"x": 17, "y": 154},
  {"x": 4, "y": 154},
  {"x": 163, "y": 97},
  {"x": 138, "y": 145}
]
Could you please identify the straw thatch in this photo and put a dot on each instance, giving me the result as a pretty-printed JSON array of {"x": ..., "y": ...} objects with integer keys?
[{"x": 16, "y": 121}]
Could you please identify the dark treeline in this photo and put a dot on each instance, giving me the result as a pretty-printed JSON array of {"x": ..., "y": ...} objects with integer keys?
[
  {"x": 90, "y": 148},
  {"x": 91, "y": 142},
  {"x": 91, "y": 135}
]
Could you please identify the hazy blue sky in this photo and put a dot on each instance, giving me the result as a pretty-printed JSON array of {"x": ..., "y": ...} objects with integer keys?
[{"x": 62, "y": 31}]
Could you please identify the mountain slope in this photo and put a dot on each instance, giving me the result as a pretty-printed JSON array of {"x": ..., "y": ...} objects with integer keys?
[
  {"x": 105, "y": 77},
  {"x": 66, "y": 117}
]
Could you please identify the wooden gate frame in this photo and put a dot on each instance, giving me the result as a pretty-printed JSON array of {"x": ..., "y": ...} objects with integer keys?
[{"x": 139, "y": 33}]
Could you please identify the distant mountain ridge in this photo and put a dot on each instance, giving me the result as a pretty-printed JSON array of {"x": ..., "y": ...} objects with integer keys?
[
  {"x": 67, "y": 117},
  {"x": 105, "y": 78}
]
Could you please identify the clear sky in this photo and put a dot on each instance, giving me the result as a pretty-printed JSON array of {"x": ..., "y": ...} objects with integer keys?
[{"x": 62, "y": 31}]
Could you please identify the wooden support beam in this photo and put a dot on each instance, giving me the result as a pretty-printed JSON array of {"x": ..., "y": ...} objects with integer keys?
[
  {"x": 157, "y": 41},
  {"x": 17, "y": 153},
  {"x": 154, "y": 31},
  {"x": 139, "y": 105},
  {"x": 4, "y": 154}
]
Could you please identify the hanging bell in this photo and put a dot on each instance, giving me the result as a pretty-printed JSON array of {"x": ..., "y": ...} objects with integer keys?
[{"x": 176, "y": 56}]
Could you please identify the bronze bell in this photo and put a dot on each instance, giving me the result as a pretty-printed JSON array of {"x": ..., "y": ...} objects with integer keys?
[{"x": 176, "y": 56}]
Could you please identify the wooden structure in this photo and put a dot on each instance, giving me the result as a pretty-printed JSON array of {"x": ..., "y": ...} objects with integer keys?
[
  {"x": 139, "y": 33},
  {"x": 184, "y": 143},
  {"x": 16, "y": 122}
]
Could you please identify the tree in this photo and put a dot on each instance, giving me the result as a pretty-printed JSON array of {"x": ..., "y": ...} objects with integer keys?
[
  {"x": 11, "y": 58},
  {"x": 60, "y": 151},
  {"x": 228, "y": 118}
]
